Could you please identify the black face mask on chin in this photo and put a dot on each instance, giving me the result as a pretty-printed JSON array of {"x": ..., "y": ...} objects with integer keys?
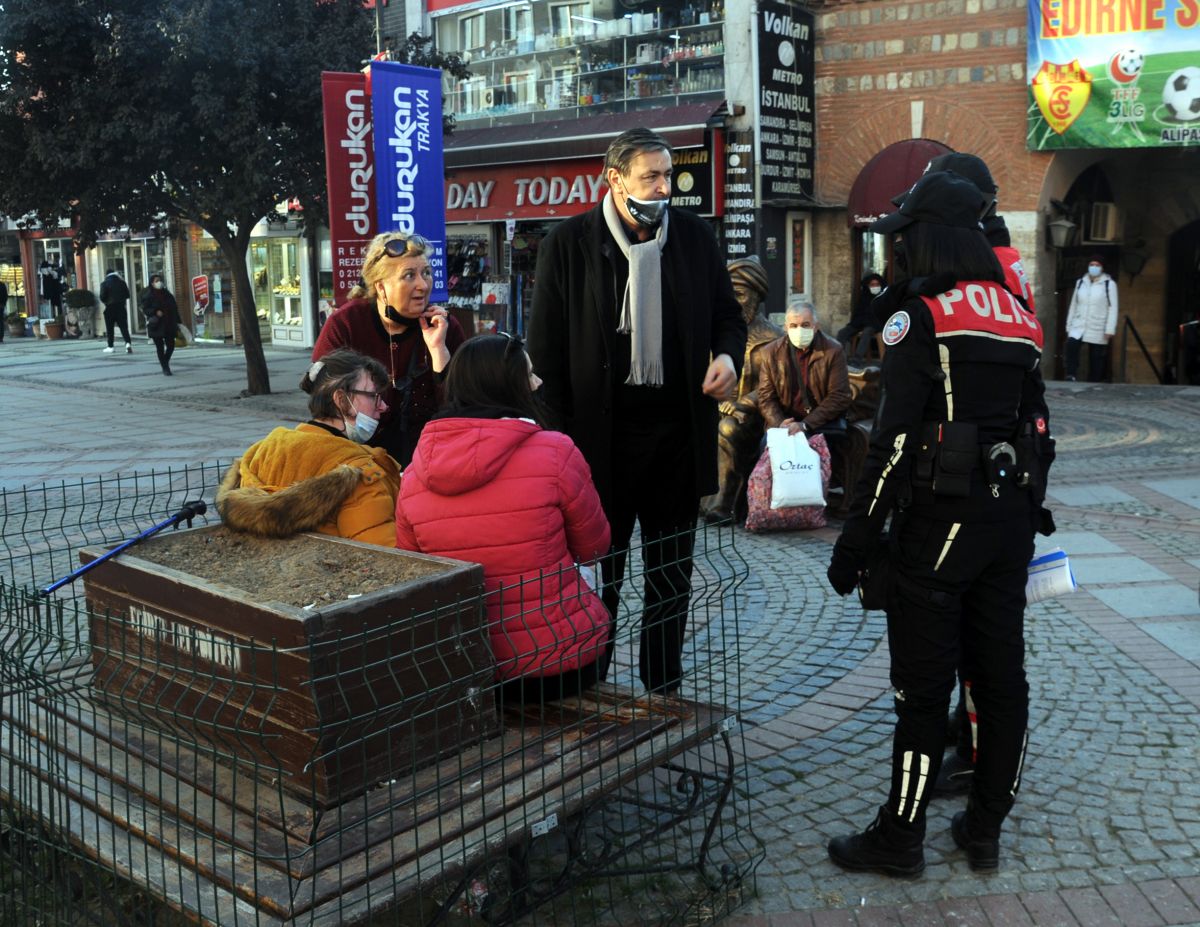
[
  {"x": 394, "y": 316},
  {"x": 900, "y": 258}
]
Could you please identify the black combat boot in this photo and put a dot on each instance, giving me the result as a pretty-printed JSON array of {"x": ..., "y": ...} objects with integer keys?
[
  {"x": 983, "y": 853},
  {"x": 885, "y": 846}
]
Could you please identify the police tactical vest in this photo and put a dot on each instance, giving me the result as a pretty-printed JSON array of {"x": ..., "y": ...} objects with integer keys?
[
  {"x": 982, "y": 321},
  {"x": 1014, "y": 273}
]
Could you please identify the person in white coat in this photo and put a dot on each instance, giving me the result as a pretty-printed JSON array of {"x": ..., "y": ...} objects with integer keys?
[{"x": 1091, "y": 320}]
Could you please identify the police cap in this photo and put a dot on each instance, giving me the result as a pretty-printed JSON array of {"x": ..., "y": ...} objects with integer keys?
[{"x": 940, "y": 198}]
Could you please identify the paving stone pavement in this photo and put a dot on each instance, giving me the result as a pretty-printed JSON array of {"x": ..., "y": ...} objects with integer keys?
[{"x": 1106, "y": 829}]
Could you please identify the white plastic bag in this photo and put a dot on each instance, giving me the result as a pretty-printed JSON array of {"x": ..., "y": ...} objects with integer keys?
[{"x": 795, "y": 470}]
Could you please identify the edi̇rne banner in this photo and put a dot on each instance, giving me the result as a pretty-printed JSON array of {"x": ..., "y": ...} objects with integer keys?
[
  {"x": 406, "y": 102},
  {"x": 1105, "y": 74}
]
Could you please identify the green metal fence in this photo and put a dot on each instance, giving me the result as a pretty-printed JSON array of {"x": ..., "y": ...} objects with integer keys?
[{"x": 163, "y": 760}]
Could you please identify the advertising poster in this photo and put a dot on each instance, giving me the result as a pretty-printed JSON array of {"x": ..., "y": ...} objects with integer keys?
[
  {"x": 1106, "y": 74},
  {"x": 406, "y": 102},
  {"x": 740, "y": 219},
  {"x": 348, "y": 175},
  {"x": 784, "y": 41}
]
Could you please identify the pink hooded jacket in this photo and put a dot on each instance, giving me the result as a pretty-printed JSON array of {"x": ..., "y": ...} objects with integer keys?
[{"x": 520, "y": 501}]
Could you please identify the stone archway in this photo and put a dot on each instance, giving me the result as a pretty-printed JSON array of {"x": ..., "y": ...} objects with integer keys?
[{"x": 1156, "y": 193}]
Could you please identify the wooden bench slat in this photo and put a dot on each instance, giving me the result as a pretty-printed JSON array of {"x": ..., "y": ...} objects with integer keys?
[
  {"x": 356, "y": 904},
  {"x": 155, "y": 786},
  {"x": 241, "y": 791},
  {"x": 147, "y": 852}
]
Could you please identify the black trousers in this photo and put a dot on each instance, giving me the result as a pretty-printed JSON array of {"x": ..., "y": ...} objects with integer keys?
[
  {"x": 537, "y": 690},
  {"x": 1097, "y": 359},
  {"x": 115, "y": 318},
  {"x": 958, "y": 595},
  {"x": 165, "y": 348},
  {"x": 654, "y": 484}
]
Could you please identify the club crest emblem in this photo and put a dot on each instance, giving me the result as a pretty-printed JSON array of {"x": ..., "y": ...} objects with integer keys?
[
  {"x": 1061, "y": 92},
  {"x": 896, "y": 328}
]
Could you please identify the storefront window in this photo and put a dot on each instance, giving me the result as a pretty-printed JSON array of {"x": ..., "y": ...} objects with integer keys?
[
  {"x": 10, "y": 274},
  {"x": 47, "y": 251},
  {"x": 476, "y": 297},
  {"x": 207, "y": 259},
  {"x": 285, "y": 282},
  {"x": 524, "y": 252},
  {"x": 325, "y": 300}
]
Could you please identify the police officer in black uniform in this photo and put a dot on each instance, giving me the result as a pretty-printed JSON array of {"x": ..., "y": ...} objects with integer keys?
[{"x": 958, "y": 457}]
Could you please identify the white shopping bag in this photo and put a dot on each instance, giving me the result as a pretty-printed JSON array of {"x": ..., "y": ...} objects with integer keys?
[{"x": 795, "y": 470}]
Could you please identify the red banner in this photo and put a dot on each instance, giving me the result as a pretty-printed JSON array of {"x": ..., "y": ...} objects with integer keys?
[
  {"x": 546, "y": 190},
  {"x": 349, "y": 166},
  {"x": 557, "y": 189}
]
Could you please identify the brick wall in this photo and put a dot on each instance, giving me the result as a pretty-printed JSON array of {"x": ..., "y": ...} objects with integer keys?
[{"x": 962, "y": 60}]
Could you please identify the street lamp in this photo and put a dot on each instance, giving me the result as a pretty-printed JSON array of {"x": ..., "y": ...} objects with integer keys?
[{"x": 1061, "y": 230}]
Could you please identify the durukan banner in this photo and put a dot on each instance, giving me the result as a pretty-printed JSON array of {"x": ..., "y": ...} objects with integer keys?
[
  {"x": 348, "y": 175},
  {"x": 409, "y": 178},
  {"x": 1113, "y": 74}
]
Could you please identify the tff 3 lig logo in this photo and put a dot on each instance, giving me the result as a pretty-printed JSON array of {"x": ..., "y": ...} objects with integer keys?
[{"x": 1061, "y": 92}]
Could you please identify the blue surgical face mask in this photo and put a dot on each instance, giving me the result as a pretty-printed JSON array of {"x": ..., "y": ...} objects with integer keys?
[
  {"x": 363, "y": 428},
  {"x": 1095, "y": 271}
]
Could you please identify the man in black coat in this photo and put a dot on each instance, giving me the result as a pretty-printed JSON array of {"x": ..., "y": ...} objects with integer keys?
[
  {"x": 114, "y": 294},
  {"x": 637, "y": 335}
]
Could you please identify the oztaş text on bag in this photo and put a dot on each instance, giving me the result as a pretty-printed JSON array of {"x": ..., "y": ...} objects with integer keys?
[{"x": 795, "y": 470}]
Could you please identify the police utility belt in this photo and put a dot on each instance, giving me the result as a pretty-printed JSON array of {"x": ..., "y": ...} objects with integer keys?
[{"x": 949, "y": 454}]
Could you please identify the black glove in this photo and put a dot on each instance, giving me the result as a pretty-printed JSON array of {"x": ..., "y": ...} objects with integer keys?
[
  {"x": 1045, "y": 522},
  {"x": 843, "y": 571}
]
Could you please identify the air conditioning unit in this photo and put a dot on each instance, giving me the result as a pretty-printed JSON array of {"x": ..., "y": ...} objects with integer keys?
[
  {"x": 489, "y": 98},
  {"x": 1105, "y": 222}
]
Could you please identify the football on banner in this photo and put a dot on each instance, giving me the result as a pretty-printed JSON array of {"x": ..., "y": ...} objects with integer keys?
[{"x": 1181, "y": 94}]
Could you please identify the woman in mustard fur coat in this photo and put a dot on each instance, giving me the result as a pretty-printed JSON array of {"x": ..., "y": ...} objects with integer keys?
[{"x": 320, "y": 476}]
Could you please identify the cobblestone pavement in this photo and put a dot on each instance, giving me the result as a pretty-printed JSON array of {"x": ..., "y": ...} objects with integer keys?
[{"x": 1107, "y": 826}]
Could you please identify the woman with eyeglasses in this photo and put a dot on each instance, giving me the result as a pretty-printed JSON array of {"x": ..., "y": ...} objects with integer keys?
[
  {"x": 320, "y": 476},
  {"x": 489, "y": 484},
  {"x": 388, "y": 317}
]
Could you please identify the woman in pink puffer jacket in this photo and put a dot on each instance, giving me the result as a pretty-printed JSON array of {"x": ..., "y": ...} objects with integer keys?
[{"x": 488, "y": 484}]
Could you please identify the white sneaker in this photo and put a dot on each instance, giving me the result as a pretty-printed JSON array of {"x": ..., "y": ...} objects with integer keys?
[
  {"x": 128, "y": 348},
  {"x": 108, "y": 350}
]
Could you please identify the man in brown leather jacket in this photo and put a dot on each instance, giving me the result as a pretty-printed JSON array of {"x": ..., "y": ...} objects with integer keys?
[{"x": 803, "y": 384}]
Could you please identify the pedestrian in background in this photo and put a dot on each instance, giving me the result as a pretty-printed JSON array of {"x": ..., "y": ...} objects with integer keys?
[
  {"x": 637, "y": 335},
  {"x": 318, "y": 476},
  {"x": 490, "y": 484},
  {"x": 389, "y": 317},
  {"x": 3, "y": 308},
  {"x": 1091, "y": 320},
  {"x": 162, "y": 319},
  {"x": 861, "y": 321},
  {"x": 114, "y": 294},
  {"x": 961, "y": 391}
]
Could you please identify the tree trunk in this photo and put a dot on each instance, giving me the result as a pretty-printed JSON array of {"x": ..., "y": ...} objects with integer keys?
[{"x": 258, "y": 380}]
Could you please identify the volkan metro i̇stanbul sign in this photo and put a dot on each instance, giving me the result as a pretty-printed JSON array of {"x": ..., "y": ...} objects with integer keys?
[{"x": 1113, "y": 74}]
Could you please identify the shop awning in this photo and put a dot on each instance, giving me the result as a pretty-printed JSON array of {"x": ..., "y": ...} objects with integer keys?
[
  {"x": 891, "y": 171},
  {"x": 682, "y": 126}
]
